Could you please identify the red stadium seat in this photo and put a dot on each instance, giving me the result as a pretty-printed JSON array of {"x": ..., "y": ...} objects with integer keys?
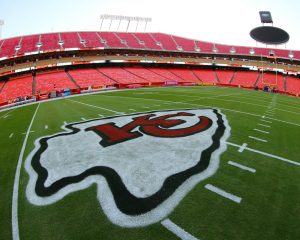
[{"x": 17, "y": 87}]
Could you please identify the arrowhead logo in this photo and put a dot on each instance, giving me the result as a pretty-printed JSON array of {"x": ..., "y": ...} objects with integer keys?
[{"x": 143, "y": 164}]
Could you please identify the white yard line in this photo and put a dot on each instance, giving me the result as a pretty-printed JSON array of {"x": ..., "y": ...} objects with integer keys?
[
  {"x": 266, "y": 154},
  {"x": 90, "y": 105},
  {"x": 26, "y": 132},
  {"x": 258, "y": 130},
  {"x": 242, "y": 148},
  {"x": 11, "y": 135},
  {"x": 242, "y": 166},
  {"x": 258, "y": 139},
  {"x": 14, "y": 214},
  {"x": 178, "y": 231},
  {"x": 264, "y": 125},
  {"x": 6, "y": 114},
  {"x": 46, "y": 126},
  {"x": 223, "y": 193},
  {"x": 83, "y": 119},
  {"x": 100, "y": 115},
  {"x": 265, "y": 121}
]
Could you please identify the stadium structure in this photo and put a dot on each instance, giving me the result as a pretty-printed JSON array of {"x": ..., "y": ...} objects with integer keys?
[{"x": 143, "y": 135}]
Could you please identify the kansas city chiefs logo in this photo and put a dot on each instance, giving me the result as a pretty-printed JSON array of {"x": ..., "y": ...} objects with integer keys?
[{"x": 143, "y": 164}]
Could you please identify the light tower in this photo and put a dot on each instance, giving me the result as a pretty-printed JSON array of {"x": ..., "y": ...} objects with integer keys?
[{"x": 1, "y": 24}]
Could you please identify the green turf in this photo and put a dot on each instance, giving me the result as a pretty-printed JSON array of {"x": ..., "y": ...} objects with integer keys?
[{"x": 270, "y": 207}]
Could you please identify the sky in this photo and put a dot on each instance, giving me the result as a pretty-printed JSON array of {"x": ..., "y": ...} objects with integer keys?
[{"x": 220, "y": 21}]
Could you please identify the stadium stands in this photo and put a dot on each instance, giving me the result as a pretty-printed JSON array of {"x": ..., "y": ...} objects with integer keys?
[
  {"x": 247, "y": 79},
  {"x": 17, "y": 87},
  {"x": 131, "y": 41},
  {"x": 146, "y": 74},
  {"x": 70, "y": 40},
  {"x": 166, "y": 73},
  {"x": 8, "y": 47},
  {"x": 185, "y": 74},
  {"x": 49, "y": 42},
  {"x": 29, "y": 44},
  {"x": 52, "y": 81},
  {"x": 224, "y": 76},
  {"x": 90, "y": 77},
  {"x": 270, "y": 79},
  {"x": 150, "y": 43},
  {"x": 293, "y": 85},
  {"x": 153, "y": 41},
  {"x": 122, "y": 76},
  {"x": 206, "y": 76}
]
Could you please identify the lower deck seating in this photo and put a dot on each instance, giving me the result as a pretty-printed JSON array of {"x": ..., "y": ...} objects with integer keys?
[
  {"x": 293, "y": 85},
  {"x": 247, "y": 79},
  {"x": 270, "y": 79},
  {"x": 17, "y": 87},
  {"x": 185, "y": 74},
  {"x": 52, "y": 81},
  {"x": 166, "y": 73},
  {"x": 122, "y": 76},
  {"x": 90, "y": 77},
  {"x": 146, "y": 74},
  {"x": 224, "y": 76},
  {"x": 206, "y": 76}
]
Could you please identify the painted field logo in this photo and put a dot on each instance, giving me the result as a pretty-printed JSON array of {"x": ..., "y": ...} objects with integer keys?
[{"x": 143, "y": 164}]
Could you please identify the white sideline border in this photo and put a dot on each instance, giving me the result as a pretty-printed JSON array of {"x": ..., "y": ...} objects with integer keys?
[{"x": 14, "y": 212}]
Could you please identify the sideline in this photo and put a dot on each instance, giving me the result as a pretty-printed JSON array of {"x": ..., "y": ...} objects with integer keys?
[{"x": 14, "y": 213}]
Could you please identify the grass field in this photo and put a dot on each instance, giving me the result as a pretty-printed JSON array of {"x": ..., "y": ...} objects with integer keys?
[{"x": 270, "y": 197}]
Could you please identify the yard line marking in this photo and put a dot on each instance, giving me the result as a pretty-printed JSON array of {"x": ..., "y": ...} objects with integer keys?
[
  {"x": 223, "y": 193},
  {"x": 100, "y": 115},
  {"x": 26, "y": 132},
  {"x": 178, "y": 231},
  {"x": 4, "y": 116},
  {"x": 90, "y": 105},
  {"x": 145, "y": 107},
  {"x": 46, "y": 126},
  {"x": 14, "y": 213},
  {"x": 258, "y": 130},
  {"x": 265, "y": 121},
  {"x": 258, "y": 139},
  {"x": 83, "y": 119},
  {"x": 131, "y": 109},
  {"x": 11, "y": 135},
  {"x": 268, "y": 126},
  {"x": 242, "y": 148},
  {"x": 193, "y": 104},
  {"x": 242, "y": 166},
  {"x": 266, "y": 154}
]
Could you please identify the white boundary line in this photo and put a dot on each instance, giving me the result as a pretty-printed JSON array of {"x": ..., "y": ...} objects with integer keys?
[
  {"x": 242, "y": 148},
  {"x": 258, "y": 139},
  {"x": 14, "y": 213},
  {"x": 93, "y": 106},
  {"x": 223, "y": 193},
  {"x": 178, "y": 231},
  {"x": 266, "y": 154},
  {"x": 264, "y": 125},
  {"x": 258, "y": 130},
  {"x": 265, "y": 121},
  {"x": 242, "y": 166}
]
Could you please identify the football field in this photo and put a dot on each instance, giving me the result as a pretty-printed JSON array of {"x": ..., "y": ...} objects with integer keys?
[{"x": 52, "y": 188}]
